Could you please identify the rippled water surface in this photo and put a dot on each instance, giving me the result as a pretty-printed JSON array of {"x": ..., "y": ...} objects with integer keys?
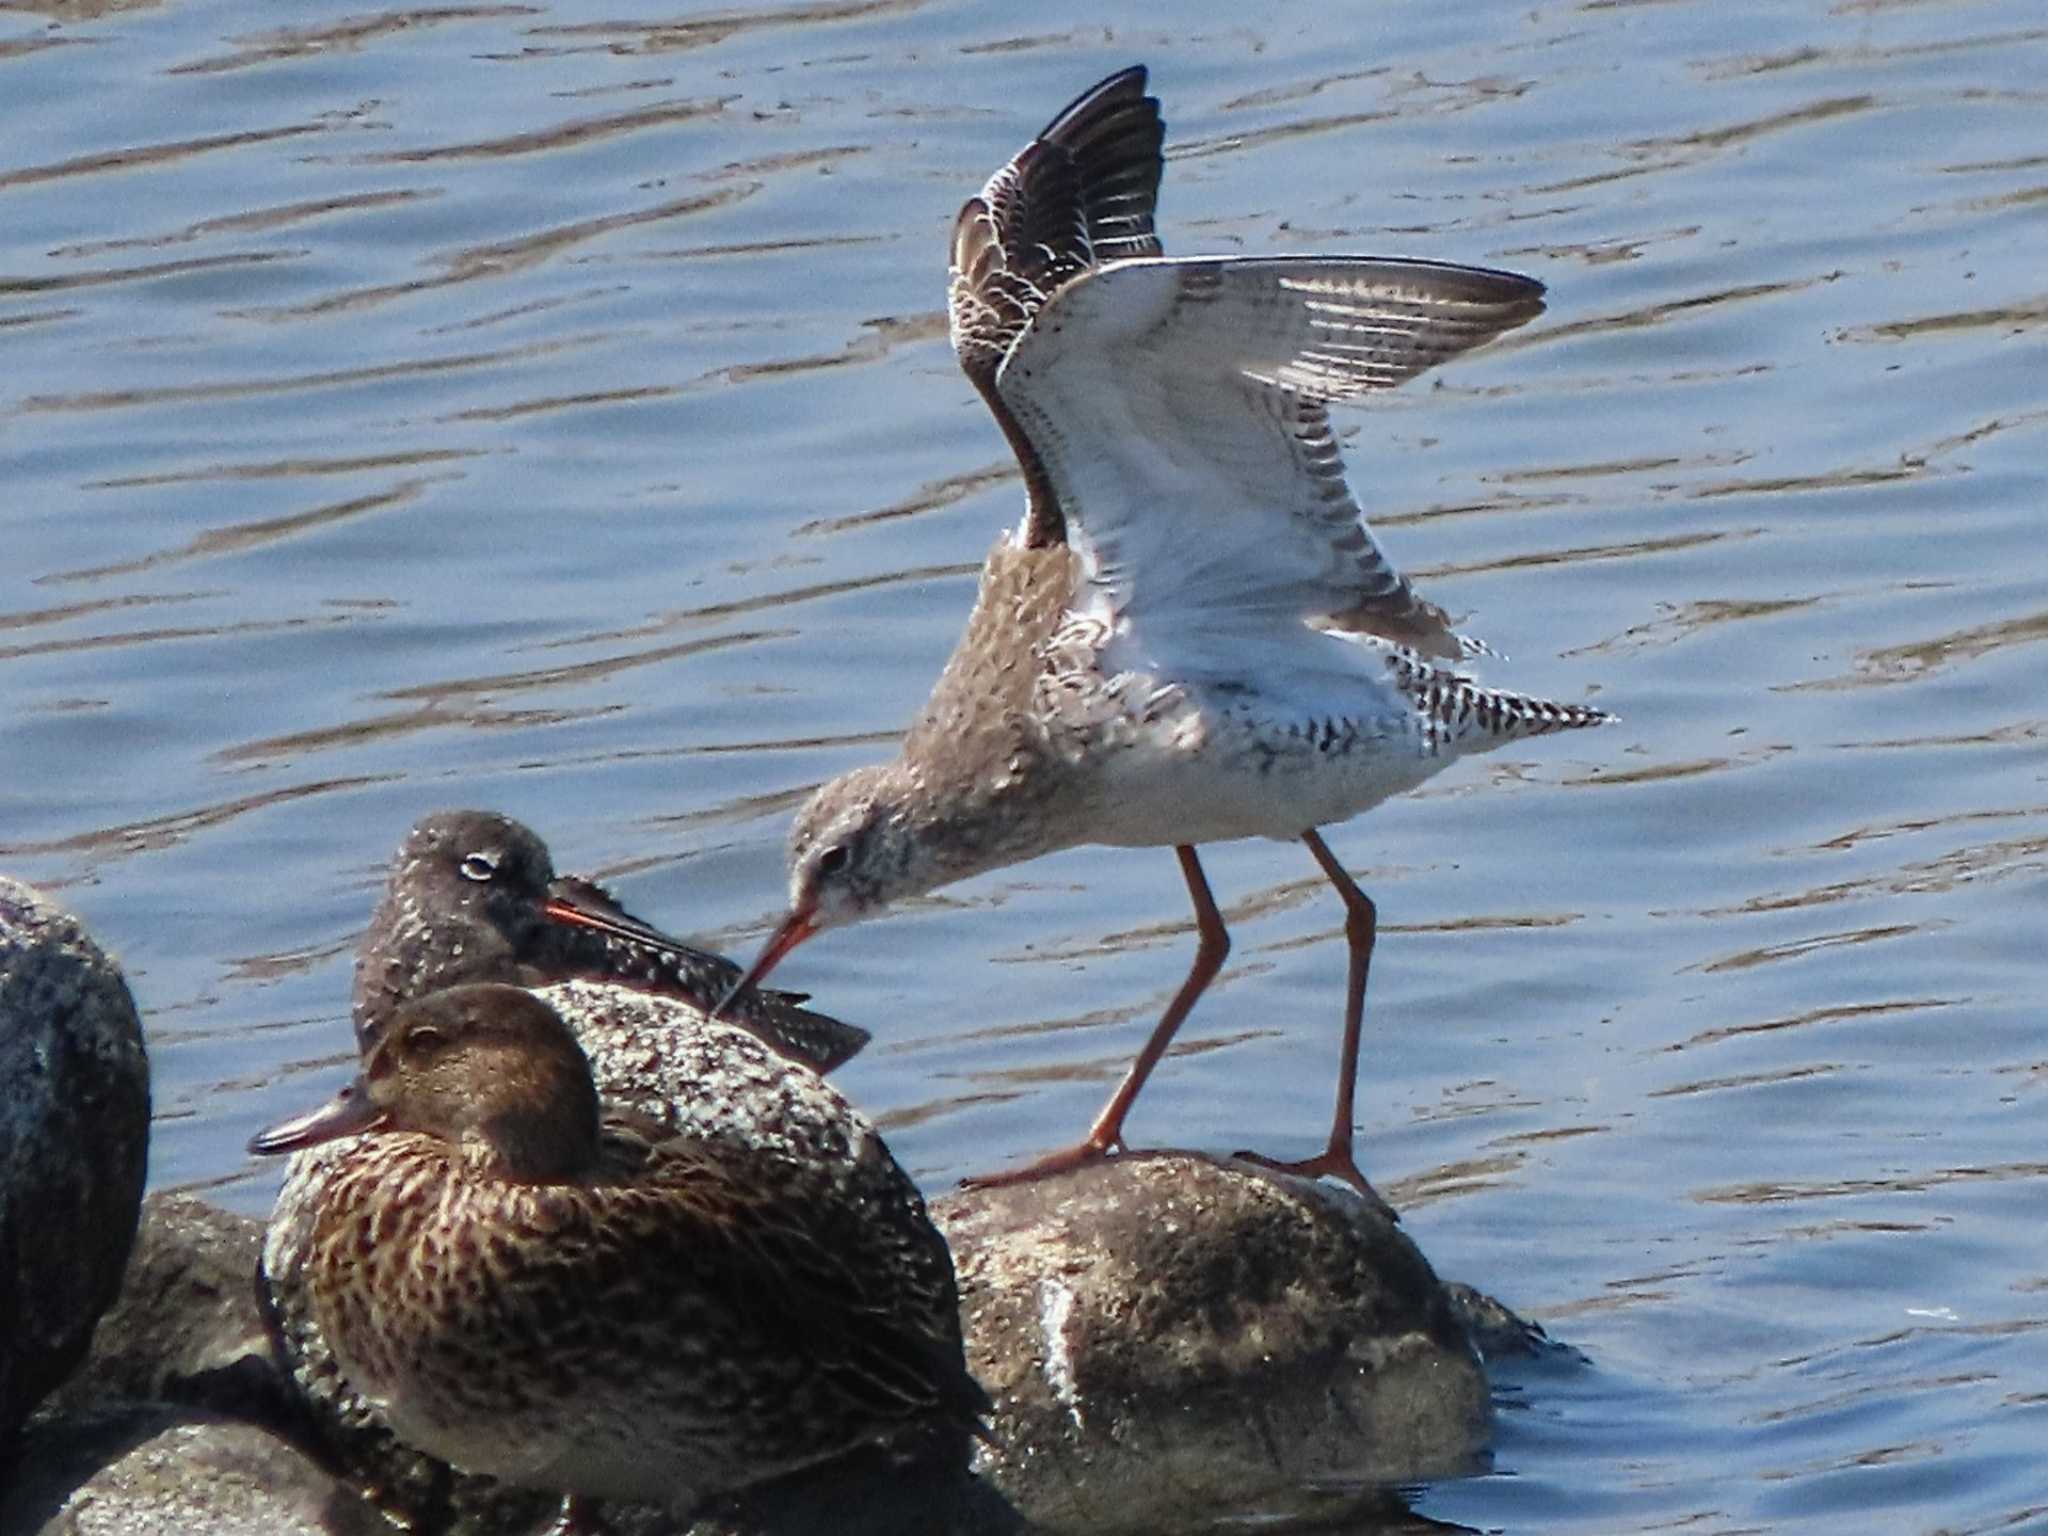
[{"x": 549, "y": 408}]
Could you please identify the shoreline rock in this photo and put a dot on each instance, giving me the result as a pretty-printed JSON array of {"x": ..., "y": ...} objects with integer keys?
[
  {"x": 147, "y": 1469},
  {"x": 1169, "y": 1339},
  {"x": 74, "y": 1144}
]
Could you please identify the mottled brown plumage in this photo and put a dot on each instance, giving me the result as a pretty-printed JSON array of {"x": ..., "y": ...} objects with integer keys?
[{"x": 596, "y": 1301}]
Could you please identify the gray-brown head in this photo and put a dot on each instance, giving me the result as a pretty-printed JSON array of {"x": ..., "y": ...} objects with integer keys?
[
  {"x": 473, "y": 896},
  {"x": 863, "y": 842},
  {"x": 490, "y": 1069},
  {"x": 464, "y": 902}
]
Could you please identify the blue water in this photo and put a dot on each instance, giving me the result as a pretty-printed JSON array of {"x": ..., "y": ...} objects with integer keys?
[{"x": 549, "y": 409}]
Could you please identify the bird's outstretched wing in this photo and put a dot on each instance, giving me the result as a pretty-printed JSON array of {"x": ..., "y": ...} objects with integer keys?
[
  {"x": 1177, "y": 410},
  {"x": 1079, "y": 195}
]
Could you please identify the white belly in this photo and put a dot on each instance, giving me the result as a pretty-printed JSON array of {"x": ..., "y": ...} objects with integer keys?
[{"x": 1210, "y": 776}]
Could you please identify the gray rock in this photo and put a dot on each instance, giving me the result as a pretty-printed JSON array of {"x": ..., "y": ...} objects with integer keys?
[
  {"x": 180, "y": 1419},
  {"x": 1169, "y": 1340},
  {"x": 186, "y": 1327},
  {"x": 74, "y": 1143},
  {"x": 161, "y": 1470}
]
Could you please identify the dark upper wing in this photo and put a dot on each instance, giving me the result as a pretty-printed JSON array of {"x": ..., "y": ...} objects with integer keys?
[
  {"x": 1080, "y": 194},
  {"x": 599, "y": 939}
]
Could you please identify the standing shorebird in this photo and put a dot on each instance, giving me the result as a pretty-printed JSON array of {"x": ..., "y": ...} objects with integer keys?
[
  {"x": 1193, "y": 635},
  {"x": 575, "y": 1295}
]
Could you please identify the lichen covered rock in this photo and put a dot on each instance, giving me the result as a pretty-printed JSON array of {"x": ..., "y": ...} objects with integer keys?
[
  {"x": 154, "y": 1469},
  {"x": 1170, "y": 1339}
]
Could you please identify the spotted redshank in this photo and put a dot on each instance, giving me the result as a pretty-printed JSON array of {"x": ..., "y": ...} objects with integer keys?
[
  {"x": 1192, "y": 636},
  {"x": 570, "y": 1295},
  {"x": 473, "y": 896}
]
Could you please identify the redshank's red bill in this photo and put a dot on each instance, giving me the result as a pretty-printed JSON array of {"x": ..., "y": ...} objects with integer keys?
[{"x": 790, "y": 932}]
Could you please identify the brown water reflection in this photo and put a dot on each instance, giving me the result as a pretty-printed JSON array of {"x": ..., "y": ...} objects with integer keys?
[
  {"x": 169, "y": 830},
  {"x": 284, "y": 43}
]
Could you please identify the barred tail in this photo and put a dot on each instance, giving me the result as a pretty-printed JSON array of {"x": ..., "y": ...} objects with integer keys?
[{"x": 1459, "y": 712}]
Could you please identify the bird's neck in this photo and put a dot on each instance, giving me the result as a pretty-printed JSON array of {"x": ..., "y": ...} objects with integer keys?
[{"x": 985, "y": 691}]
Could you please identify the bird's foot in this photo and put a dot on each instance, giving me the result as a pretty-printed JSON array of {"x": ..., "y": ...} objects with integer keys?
[
  {"x": 1066, "y": 1160},
  {"x": 1333, "y": 1162}
]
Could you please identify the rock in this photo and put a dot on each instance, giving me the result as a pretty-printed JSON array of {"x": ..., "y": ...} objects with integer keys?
[
  {"x": 156, "y": 1470},
  {"x": 1169, "y": 1340},
  {"x": 186, "y": 1327},
  {"x": 1499, "y": 1334},
  {"x": 74, "y": 1143}
]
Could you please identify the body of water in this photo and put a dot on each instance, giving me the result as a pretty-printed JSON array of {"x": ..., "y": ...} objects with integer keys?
[{"x": 549, "y": 408}]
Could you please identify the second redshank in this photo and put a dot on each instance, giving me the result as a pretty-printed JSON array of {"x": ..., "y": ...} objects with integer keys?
[
  {"x": 1193, "y": 635},
  {"x": 473, "y": 896}
]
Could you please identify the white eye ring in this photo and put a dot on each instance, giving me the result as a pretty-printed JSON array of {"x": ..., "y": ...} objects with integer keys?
[{"x": 480, "y": 867}]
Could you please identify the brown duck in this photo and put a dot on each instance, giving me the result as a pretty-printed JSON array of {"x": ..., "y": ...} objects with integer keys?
[{"x": 564, "y": 1294}]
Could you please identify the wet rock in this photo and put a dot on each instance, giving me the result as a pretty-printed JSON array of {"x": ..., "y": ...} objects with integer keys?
[
  {"x": 155, "y": 1469},
  {"x": 74, "y": 1138},
  {"x": 1499, "y": 1334},
  {"x": 186, "y": 1327},
  {"x": 1169, "y": 1339},
  {"x": 865, "y": 1493}
]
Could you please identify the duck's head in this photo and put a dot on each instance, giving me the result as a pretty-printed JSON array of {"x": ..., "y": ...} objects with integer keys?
[{"x": 490, "y": 1069}]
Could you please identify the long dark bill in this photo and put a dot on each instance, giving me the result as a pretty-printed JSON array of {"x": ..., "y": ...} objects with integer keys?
[{"x": 348, "y": 1113}]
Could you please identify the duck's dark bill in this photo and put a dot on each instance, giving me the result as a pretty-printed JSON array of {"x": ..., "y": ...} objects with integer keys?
[{"x": 348, "y": 1113}]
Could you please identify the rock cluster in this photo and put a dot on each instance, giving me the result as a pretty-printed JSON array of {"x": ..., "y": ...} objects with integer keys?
[{"x": 1167, "y": 1339}]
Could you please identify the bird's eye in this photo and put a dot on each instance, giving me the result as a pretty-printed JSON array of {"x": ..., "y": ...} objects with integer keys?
[
  {"x": 480, "y": 866},
  {"x": 425, "y": 1040},
  {"x": 832, "y": 860}
]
